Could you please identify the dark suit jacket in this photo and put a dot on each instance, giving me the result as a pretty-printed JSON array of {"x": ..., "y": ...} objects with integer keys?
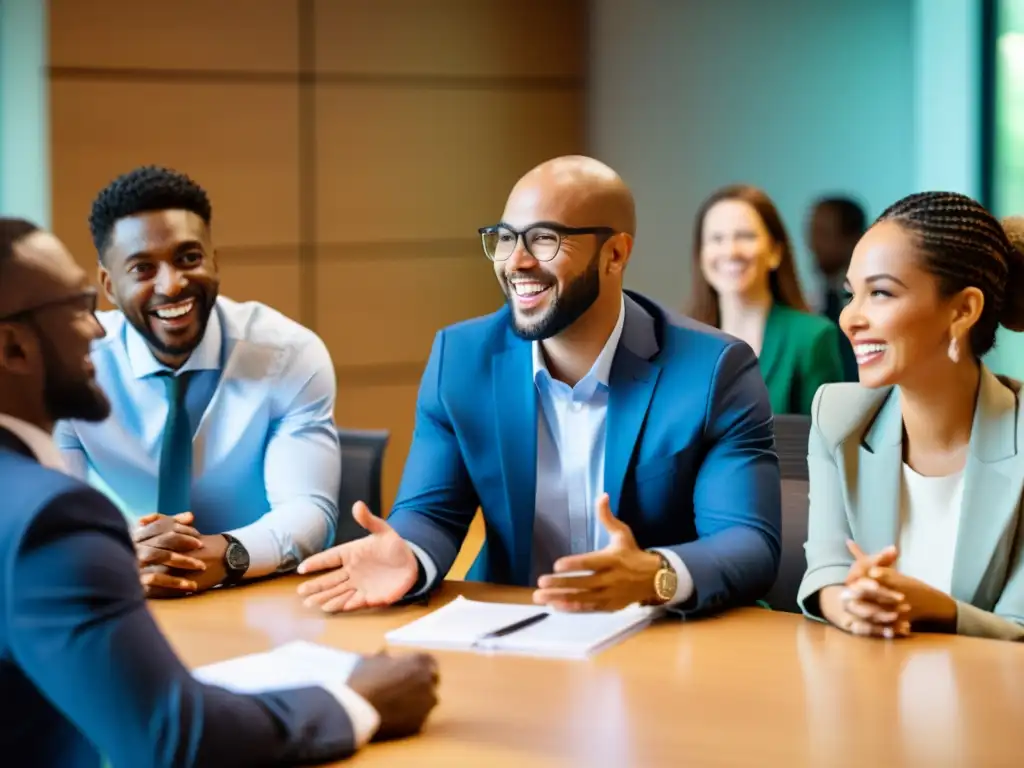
[
  {"x": 800, "y": 352},
  {"x": 84, "y": 670},
  {"x": 689, "y": 459}
]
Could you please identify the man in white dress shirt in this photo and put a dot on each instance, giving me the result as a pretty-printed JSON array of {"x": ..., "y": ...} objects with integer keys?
[{"x": 221, "y": 444}]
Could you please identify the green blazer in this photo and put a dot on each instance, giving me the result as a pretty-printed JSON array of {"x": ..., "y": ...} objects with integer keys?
[
  {"x": 855, "y": 458},
  {"x": 799, "y": 353}
]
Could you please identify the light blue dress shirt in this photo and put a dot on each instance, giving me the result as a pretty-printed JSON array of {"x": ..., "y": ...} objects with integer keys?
[
  {"x": 266, "y": 461},
  {"x": 571, "y": 428}
]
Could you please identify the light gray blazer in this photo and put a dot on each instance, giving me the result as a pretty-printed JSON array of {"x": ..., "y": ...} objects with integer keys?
[{"x": 855, "y": 457}]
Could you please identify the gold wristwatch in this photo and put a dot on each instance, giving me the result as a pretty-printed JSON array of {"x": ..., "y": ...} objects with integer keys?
[{"x": 665, "y": 581}]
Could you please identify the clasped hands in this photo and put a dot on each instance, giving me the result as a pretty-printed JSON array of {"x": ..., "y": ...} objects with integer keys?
[
  {"x": 380, "y": 569},
  {"x": 174, "y": 558},
  {"x": 876, "y": 600}
]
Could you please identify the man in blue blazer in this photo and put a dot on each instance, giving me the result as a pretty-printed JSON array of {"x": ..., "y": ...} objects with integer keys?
[
  {"x": 620, "y": 453},
  {"x": 84, "y": 670}
]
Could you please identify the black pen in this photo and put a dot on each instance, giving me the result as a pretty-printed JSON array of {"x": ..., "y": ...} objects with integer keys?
[{"x": 527, "y": 622}]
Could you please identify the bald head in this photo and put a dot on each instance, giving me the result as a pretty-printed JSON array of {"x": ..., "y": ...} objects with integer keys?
[{"x": 576, "y": 191}]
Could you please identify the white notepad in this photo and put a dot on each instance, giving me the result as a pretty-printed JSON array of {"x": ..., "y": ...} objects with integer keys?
[
  {"x": 297, "y": 664},
  {"x": 462, "y": 625}
]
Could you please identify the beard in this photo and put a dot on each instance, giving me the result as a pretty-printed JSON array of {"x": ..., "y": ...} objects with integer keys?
[
  {"x": 205, "y": 301},
  {"x": 68, "y": 396},
  {"x": 566, "y": 308}
]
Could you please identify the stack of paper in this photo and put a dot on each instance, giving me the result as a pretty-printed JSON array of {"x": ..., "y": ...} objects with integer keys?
[
  {"x": 293, "y": 665},
  {"x": 465, "y": 625}
]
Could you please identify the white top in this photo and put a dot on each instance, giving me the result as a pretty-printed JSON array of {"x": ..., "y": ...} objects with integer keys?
[{"x": 929, "y": 523}]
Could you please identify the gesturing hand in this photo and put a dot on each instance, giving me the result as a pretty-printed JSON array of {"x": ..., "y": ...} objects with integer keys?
[
  {"x": 622, "y": 573},
  {"x": 370, "y": 572},
  {"x": 403, "y": 690}
]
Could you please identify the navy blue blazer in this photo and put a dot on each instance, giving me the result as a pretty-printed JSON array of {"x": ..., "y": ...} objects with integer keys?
[
  {"x": 690, "y": 459},
  {"x": 85, "y": 671}
]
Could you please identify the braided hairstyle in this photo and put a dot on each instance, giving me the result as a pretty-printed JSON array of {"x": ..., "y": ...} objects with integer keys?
[{"x": 964, "y": 245}]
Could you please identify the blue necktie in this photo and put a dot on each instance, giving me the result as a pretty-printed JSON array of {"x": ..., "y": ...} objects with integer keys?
[{"x": 175, "y": 483}]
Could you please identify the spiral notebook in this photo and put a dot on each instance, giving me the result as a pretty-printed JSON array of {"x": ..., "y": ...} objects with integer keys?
[{"x": 470, "y": 625}]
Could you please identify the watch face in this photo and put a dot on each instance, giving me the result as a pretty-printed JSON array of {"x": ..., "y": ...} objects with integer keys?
[
  {"x": 665, "y": 584},
  {"x": 236, "y": 556}
]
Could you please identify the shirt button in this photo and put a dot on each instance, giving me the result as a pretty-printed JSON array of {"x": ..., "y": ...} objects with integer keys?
[{"x": 577, "y": 406}]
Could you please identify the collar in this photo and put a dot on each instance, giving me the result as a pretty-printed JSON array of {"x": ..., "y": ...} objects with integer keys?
[
  {"x": 600, "y": 371},
  {"x": 38, "y": 441},
  {"x": 205, "y": 357}
]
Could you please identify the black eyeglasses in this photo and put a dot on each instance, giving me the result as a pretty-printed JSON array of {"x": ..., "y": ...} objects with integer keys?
[
  {"x": 86, "y": 302},
  {"x": 542, "y": 240}
]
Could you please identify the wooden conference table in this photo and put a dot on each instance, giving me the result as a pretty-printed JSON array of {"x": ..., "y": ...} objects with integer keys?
[{"x": 749, "y": 688}]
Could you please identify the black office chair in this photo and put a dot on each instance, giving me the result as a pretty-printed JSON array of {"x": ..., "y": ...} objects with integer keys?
[
  {"x": 362, "y": 463},
  {"x": 791, "y": 433}
]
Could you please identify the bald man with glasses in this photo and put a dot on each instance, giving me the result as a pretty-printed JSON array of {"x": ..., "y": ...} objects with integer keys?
[{"x": 621, "y": 454}]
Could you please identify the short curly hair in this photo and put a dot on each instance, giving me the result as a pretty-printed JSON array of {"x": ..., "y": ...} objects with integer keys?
[{"x": 147, "y": 188}]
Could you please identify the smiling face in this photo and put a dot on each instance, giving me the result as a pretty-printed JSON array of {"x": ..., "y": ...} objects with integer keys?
[
  {"x": 898, "y": 321},
  {"x": 737, "y": 252},
  {"x": 160, "y": 270},
  {"x": 546, "y": 297}
]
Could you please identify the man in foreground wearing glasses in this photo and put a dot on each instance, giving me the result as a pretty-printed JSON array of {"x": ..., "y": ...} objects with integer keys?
[
  {"x": 83, "y": 666},
  {"x": 222, "y": 445},
  {"x": 621, "y": 454}
]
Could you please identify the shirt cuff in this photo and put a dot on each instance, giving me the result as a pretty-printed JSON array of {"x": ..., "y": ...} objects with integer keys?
[
  {"x": 365, "y": 719},
  {"x": 429, "y": 567},
  {"x": 259, "y": 542},
  {"x": 684, "y": 580}
]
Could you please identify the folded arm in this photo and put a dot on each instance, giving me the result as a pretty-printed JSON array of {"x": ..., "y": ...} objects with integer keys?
[
  {"x": 302, "y": 469},
  {"x": 1006, "y": 620},
  {"x": 737, "y": 496},
  {"x": 81, "y": 632},
  {"x": 436, "y": 500}
]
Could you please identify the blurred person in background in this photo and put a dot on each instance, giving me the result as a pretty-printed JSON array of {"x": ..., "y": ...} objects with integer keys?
[
  {"x": 221, "y": 444},
  {"x": 744, "y": 282},
  {"x": 916, "y": 520},
  {"x": 834, "y": 227},
  {"x": 84, "y": 668}
]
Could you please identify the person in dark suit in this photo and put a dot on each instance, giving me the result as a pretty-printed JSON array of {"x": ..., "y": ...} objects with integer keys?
[
  {"x": 835, "y": 226},
  {"x": 599, "y": 432},
  {"x": 743, "y": 281},
  {"x": 84, "y": 670}
]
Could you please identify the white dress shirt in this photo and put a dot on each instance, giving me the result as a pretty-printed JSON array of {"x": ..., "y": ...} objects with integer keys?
[
  {"x": 365, "y": 719},
  {"x": 266, "y": 465},
  {"x": 571, "y": 425}
]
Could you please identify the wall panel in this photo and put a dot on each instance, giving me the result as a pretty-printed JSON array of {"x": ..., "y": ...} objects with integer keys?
[
  {"x": 429, "y": 163},
  {"x": 387, "y": 311},
  {"x": 240, "y": 141},
  {"x": 351, "y": 149},
  {"x": 498, "y": 39},
  {"x": 244, "y": 36}
]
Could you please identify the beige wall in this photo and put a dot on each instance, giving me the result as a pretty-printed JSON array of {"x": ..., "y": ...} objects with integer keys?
[{"x": 351, "y": 149}]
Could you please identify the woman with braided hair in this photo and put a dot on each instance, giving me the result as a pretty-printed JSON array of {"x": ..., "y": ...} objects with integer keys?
[{"x": 916, "y": 473}]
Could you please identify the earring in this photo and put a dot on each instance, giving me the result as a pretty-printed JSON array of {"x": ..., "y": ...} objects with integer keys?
[{"x": 954, "y": 350}]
